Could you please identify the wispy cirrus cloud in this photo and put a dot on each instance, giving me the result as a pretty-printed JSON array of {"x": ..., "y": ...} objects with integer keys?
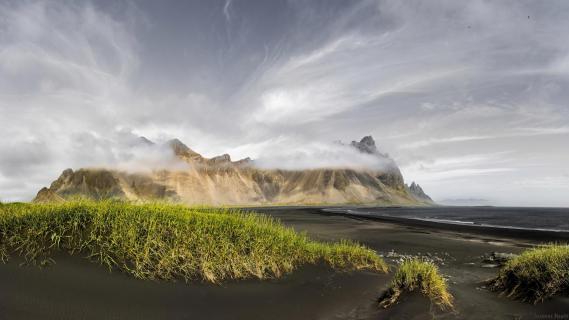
[
  {"x": 516, "y": 133},
  {"x": 437, "y": 83}
]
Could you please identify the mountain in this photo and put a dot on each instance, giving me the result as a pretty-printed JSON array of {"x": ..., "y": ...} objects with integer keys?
[
  {"x": 416, "y": 191},
  {"x": 219, "y": 180}
]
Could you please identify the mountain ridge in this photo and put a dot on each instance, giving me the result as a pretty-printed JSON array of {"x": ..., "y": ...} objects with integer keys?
[
  {"x": 416, "y": 190},
  {"x": 221, "y": 181}
]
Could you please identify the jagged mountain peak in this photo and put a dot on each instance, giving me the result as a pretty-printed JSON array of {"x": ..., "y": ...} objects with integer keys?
[
  {"x": 244, "y": 162},
  {"x": 143, "y": 140},
  {"x": 366, "y": 145},
  {"x": 180, "y": 149},
  {"x": 416, "y": 190},
  {"x": 176, "y": 143},
  {"x": 224, "y": 158}
]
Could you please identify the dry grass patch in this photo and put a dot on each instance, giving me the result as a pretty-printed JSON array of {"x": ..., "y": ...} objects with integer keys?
[
  {"x": 164, "y": 241},
  {"x": 535, "y": 275},
  {"x": 416, "y": 274}
]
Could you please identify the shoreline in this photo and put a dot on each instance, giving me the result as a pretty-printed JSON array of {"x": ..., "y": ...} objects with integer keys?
[
  {"x": 511, "y": 232},
  {"x": 507, "y": 232}
]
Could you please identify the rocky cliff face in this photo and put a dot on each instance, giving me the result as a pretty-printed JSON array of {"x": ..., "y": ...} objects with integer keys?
[
  {"x": 390, "y": 173},
  {"x": 416, "y": 191},
  {"x": 219, "y": 180}
]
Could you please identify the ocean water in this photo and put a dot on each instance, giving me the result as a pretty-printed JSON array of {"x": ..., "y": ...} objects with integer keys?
[{"x": 546, "y": 219}]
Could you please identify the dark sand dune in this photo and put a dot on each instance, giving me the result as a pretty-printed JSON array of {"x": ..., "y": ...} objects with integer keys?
[{"x": 77, "y": 289}]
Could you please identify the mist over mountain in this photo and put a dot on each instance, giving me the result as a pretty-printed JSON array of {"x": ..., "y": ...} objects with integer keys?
[{"x": 220, "y": 180}]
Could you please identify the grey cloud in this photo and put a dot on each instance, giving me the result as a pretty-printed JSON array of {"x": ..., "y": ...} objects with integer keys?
[
  {"x": 430, "y": 80},
  {"x": 28, "y": 154}
]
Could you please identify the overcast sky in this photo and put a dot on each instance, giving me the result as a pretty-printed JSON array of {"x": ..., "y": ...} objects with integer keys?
[{"x": 469, "y": 97}]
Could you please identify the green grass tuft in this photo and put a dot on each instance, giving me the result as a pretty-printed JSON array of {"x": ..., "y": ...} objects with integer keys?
[
  {"x": 416, "y": 274},
  {"x": 167, "y": 242},
  {"x": 535, "y": 275}
]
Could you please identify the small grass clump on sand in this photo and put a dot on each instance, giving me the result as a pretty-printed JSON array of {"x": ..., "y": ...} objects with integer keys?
[
  {"x": 535, "y": 275},
  {"x": 416, "y": 274},
  {"x": 165, "y": 241}
]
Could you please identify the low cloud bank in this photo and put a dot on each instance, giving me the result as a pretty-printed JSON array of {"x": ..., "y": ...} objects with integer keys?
[
  {"x": 319, "y": 155},
  {"x": 125, "y": 151}
]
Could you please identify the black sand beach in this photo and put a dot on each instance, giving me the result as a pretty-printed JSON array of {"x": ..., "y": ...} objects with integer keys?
[{"x": 74, "y": 288}]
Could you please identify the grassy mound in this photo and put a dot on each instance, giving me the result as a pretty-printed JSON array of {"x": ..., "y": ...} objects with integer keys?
[
  {"x": 162, "y": 241},
  {"x": 416, "y": 274},
  {"x": 535, "y": 275}
]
